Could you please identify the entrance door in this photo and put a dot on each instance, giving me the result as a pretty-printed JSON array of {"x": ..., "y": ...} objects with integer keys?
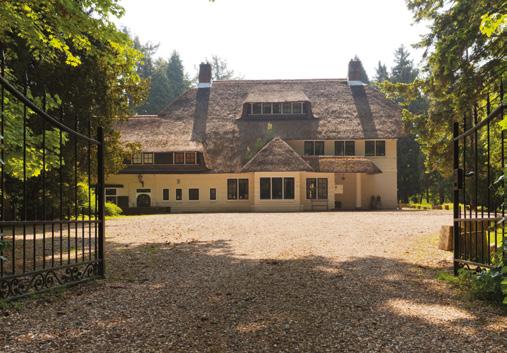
[{"x": 143, "y": 200}]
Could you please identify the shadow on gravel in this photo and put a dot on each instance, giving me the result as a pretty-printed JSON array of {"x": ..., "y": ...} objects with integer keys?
[{"x": 198, "y": 297}]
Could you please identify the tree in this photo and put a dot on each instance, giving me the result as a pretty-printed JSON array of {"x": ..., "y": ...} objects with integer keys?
[
  {"x": 381, "y": 73},
  {"x": 160, "y": 90},
  {"x": 220, "y": 69},
  {"x": 176, "y": 77},
  {"x": 462, "y": 65},
  {"x": 403, "y": 70}
]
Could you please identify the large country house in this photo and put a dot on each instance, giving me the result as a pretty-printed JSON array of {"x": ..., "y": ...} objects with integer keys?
[{"x": 264, "y": 145}]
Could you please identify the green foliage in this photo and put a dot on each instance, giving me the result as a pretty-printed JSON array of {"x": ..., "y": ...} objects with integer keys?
[
  {"x": 493, "y": 24},
  {"x": 485, "y": 285},
  {"x": 112, "y": 209},
  {"x": 381, "y": 73},
  {"x": 220, "y": 69},
  {"x": 168, "y": 82}
]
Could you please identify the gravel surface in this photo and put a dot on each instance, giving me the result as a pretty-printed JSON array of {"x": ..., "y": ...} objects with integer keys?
[{"x": 251, "y": 282}]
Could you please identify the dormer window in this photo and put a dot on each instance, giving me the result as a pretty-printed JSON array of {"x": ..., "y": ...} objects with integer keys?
[{"x": 277, "y": 109}]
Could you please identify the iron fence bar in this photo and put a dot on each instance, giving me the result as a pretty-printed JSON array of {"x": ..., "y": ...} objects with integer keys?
[
  {"x": 9, "y": 277},
  {"x": 13, "y": 90},
  {"x": 2, "y": 157},
  {"x": 76, "y": 204},
  {"x": 456, "y": 209},
  {"x": 60, "y": 188},
  {"x": 101, "y": 199},
  {"x": 41, "y": 221},
  {"x": 44, "y": 181},
  {"x": 469, "y": 220},
  {"x": 493, "y": 115}
]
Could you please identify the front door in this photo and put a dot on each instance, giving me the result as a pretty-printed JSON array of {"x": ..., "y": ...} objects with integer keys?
[{"x": 143, "y": 200}]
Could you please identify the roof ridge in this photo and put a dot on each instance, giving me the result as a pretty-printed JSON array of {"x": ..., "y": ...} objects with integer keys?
[{"x": 283, "y": 80}]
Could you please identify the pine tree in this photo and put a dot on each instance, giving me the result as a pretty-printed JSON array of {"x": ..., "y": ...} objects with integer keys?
[
  {"x": 381, "y": 73},
  {"x": 403, "y": 71},
  {"x": 176, "y": 78},
  {"x": 160, "y": 90}
]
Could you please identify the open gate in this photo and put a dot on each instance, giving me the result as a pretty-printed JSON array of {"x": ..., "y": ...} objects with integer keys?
[
  {"x": 479, "y": 187},
  {"x": 51, "y": 192}
]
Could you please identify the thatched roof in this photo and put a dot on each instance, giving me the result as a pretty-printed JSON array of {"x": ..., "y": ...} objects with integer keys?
[
  {"x": 276, "y": 156},
  {"x": 334, "y": 164},
  {"x": 276, "y": 97},
  {"x": 155, "y": 134},
  {"x": 208, "y": 120}
]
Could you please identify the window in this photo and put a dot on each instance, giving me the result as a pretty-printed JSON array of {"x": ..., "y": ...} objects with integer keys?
[
  {"x": 288, "y": 188},
  {"x": 179, "y": 194},
  {"x": 163, "y": 158},
  {"x": 277, "y": 108},
  {"x": 237, "y": 189},
  {"x": 147, "y": 157},
  {"x": 296, "y": 108},
  {"x": 257, "y": 108},
  {"x": 243, "y": 189},
  {"x": 314, "y": 148},
  {"x": 380, "y": 148},
  {"x": 193, "y": 194},
  {"x": 345, "y": 148},
  {"x": 374, "y": 148},
  {"x": 266, "y": 108},
  {"x": 213, "y": 194},
  {"x": 316, "y": 188},
  {"x": 111, "y": 195},
  {"x": 179, "y": 158},
  {"x": 190, "y": 158},
  {"x": 165, "y": 194},
  {"x": 287, "y": 108},
  {"x": 265, "y": 188},
  {"x": 276, "y": 188},
  {"x": 137, "y": 158}
]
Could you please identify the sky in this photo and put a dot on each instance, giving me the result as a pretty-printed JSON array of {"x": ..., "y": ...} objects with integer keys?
[{"x": 272, "y": 39}]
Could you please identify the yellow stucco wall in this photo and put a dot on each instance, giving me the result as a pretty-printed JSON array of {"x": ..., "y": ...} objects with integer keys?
[{"x": 384, "y": 185}]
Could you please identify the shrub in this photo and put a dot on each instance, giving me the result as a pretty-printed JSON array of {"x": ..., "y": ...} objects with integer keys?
[
  {"x": 485, "y": 285},
  {"x": 112, "y": 209}
]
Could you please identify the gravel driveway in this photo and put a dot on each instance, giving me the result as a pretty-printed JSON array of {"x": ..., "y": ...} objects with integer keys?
[{"x": 250, "y": 282}]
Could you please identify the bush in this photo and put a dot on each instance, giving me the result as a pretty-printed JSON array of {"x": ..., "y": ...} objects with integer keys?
[
  {"x": 485, "y": 285},
  {"x": 112, "y": 209}
]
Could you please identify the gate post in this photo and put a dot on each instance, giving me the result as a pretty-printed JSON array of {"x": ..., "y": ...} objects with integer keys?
[
  {"x": 456, "y": 211},
  {"x": 100, "y": 202}
]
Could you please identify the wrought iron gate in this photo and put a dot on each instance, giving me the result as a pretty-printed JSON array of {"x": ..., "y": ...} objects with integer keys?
[
  {"x": 51, "y": 192},
  {"x": 479, "y": 187}
]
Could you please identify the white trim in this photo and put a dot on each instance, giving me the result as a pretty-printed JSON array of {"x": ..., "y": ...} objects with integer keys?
[
  {"x": 358, "y": 190},
  {"x": 204, "y": 85},
  {"x": 356, "y": 83}
]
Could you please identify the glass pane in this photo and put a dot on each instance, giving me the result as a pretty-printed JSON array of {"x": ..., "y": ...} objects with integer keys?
[
  {"x": 165, "y": 194},
  {"x": 350, "y": 148},
  {"x": 339, "y": 149},
  {"x": 311, "y": 188},
  {"x": 137, "y": 158},
  {"x": 369, "y": 148},
  {"x": 309, "y": 148},
  {"x": 265, "y": 188},
  {"x": 179, "y": 194},
  {"x": 232, "y": 189},
  {"x": 322, "y": 186},
  {"x": 212, "y": 194},
  {"x": 193, "y": 194},
  {"x": 111, "y": 199},
  {"x": 190, "y": 158},
  {"x": 305, "y": 108},
  {"x": 380, "y": 149},
  {"x": 163, "y": 158},
  {"x": 148, "y": 158},
  {"x": 277, "y": 108},
  {"x": 257, "y": 108},
  {"x": 288, "y": 188},
  {"x": 266, "y": 108},
  {"x": 110, "y": 192},
  {"x": 277, "y": 192},
  {"x": 319, "y": 148},
  {"x": 179, "y": 158},
  {"x": 287, "y": 108},
  {"x": 296, "y": 108},
  {"x": 243, "y": 189}
]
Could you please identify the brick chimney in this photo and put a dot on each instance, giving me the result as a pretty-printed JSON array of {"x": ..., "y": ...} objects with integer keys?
[
  {"x": 354, "y": 76},
  {"x": 204, "y": 75}
]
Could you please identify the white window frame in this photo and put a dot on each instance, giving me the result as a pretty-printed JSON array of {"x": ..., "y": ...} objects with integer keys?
[
  {"x": 375, "y": 148},
  {"x": 282, "y": 112},
  {"x": 283, "y": 188}
]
